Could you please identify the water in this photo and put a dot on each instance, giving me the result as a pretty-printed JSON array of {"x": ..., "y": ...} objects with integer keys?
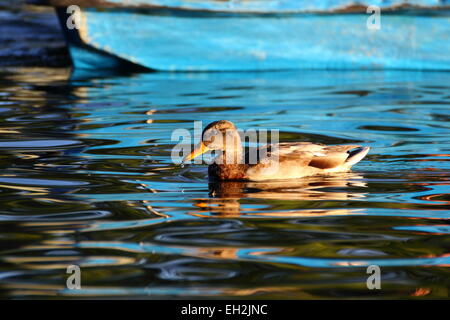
[{"x": 87, "y": 179}]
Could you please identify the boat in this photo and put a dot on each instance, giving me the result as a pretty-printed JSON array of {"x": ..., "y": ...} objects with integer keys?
[{"x": 256, "y": 35}]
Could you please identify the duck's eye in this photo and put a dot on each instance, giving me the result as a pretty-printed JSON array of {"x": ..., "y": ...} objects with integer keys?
[
  {"x": 209, "y": 140},
  {"x": 209, "y": 136}
]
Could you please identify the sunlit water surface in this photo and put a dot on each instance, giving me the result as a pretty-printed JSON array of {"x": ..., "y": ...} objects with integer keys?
[{"x": 87, "y": 179}]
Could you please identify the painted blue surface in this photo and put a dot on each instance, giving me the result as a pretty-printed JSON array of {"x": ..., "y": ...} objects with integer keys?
[
  {"x": 185, "y": 41},
  {"x": 85, "y": 58},
  {"x": 83, "y": 55}
]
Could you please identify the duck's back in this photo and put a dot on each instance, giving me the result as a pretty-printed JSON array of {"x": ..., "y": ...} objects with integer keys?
[{"x": 301, "y": 159}]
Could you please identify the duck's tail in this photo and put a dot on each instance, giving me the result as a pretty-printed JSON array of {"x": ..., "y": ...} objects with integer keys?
[{"x": 356, "y": 155}]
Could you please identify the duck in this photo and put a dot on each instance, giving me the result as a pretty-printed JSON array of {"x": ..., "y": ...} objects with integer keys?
[{"x": 277, "y": 161}]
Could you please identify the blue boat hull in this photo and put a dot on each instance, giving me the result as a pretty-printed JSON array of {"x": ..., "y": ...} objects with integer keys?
[{"x": 180, "y": 40}]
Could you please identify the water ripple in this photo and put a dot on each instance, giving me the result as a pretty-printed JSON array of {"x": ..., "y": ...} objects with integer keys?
[{"x": 87, "y": 179}]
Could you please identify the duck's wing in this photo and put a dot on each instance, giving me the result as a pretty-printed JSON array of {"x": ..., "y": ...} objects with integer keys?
[
  {"x": 304, "y": 158},
  {"x": 301, "y": 152},
  {"x": 335, "y": 156},
  {"x": 318, "y": 155}
]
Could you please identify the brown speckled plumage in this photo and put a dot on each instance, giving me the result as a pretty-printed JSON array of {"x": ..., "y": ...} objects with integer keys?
[{"x": 228, "y": 171}]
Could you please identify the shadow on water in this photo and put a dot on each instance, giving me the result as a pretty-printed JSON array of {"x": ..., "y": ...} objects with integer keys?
[{"x": 87, "y": 178}]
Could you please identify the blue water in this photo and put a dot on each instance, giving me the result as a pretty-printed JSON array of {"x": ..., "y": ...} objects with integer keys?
[{"x": 87, "y": 179}]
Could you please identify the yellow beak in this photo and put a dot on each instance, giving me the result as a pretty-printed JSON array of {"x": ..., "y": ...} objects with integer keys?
[{"x": 199, "y": 149}]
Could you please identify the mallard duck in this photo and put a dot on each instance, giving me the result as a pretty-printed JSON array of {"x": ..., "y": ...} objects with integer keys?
[{"x": 289, "y": 160}]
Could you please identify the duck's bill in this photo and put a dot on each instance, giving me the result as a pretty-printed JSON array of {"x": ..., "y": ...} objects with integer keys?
[{"x": 199, "y": 150}]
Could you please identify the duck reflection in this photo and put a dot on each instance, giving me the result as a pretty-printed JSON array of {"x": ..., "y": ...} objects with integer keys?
[{"x": 225, "y": 196}]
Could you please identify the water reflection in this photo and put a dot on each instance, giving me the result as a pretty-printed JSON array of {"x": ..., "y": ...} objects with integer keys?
[{"x": 336, "y": 187}]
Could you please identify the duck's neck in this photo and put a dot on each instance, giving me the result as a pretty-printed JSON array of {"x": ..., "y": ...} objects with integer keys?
[
  {"x": 233, "y": 151},
  {"x": 230, "y": 164}
]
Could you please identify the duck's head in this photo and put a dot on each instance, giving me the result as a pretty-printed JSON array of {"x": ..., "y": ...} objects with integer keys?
[{"x": 218, "y": 135}]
